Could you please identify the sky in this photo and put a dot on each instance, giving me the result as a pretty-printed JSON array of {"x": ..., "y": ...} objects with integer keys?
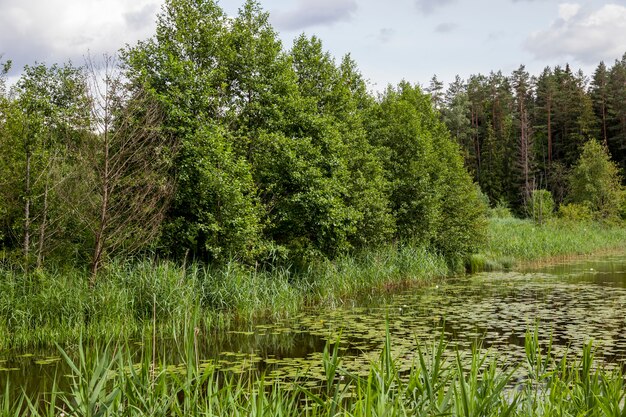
[{"x": 390, "y": 40}]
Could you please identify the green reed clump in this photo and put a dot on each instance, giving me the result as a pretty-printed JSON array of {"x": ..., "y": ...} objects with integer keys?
[
  {"x": 130, "y": 298},
  {"x": 371, "y": 270},
  {"x": 513, "y": 240}
]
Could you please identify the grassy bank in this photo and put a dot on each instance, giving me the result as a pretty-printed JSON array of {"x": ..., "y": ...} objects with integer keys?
[
  {"x": 108, "y": 382},
  {"x": 57, "y": 307},
  {"x": 512, "y": 242},
  {"x": 48, "y": 307}
]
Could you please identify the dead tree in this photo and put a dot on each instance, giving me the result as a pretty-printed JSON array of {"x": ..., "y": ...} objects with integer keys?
[{"x": 128, "y": 164}]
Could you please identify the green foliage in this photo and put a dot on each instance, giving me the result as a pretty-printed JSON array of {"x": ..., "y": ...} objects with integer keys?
[
  {"x": 304, "y": 181},
  {"x": 541, "y": 206},
  {"x": 500, "y": 211},
  {"x": 306, "y": 211},
  {"x": 595, "y": 181},
  {"x": 215, "y": 213},
  {"x": 574, "y": 212},
  {"x": 432, "y": 196},
  {"x": 44, "y": 119}
]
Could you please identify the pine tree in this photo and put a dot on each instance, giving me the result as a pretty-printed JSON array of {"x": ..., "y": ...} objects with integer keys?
[
  {"x": 616, "y": 104},
  {"x": 520, "y": 81},
  {"x": 435, "y": 89},
  {"x": 600, "y": 98}
]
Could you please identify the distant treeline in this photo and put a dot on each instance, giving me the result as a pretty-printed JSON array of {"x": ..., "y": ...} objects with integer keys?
[
  {"x": 211, "y": 142},
  {"x": 523, "y": 132}
]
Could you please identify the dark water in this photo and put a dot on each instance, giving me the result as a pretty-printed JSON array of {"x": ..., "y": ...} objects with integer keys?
[{"x": 571, "y": 303}]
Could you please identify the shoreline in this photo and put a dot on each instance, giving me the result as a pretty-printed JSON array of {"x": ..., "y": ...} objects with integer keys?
[{"x": 61, "y": 308}]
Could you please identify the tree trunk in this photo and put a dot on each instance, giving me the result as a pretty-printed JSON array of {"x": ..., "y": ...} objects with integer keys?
[
  {"x": 104, "y": 207},
  {"x": 606, "y": 140},
  {"x": 27, "y": 212},
  {"x": 42, "y": 226},
  {"x": 549, "y": 128}
]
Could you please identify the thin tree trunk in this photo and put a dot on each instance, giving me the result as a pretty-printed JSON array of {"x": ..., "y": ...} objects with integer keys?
[
  {"x": 104, "y": 207},
  {"x": 524, "y": 152},
  {"x": 549, "y": 129},
  {"x": 27, "y": 212},
  {"x": 606, "y": 140},
  {"x": 42, "y": 227}
]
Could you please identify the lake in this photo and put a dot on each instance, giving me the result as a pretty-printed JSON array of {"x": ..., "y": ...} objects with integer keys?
[{"x": 569, "y": 303}]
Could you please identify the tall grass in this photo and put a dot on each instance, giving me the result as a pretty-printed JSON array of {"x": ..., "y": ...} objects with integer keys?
[
  {"x": 107, "y": 382},
  {"x": 47, "y": 307},
  {"x": 512, "y": 241}
]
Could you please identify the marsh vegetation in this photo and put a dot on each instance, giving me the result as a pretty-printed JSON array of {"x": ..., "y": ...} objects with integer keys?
[{"x": 571, "y": 309}]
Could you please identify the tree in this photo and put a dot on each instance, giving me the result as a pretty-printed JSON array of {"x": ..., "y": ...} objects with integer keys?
[
  {"x": 573, "y": 119},
  {"x": 616, "y": 104},
  {"x": 5, "y": 168},
  {"x": 496, "y": 179},
  {"x": 216, "y": 214},
  {"x": 337, "y": 97},
  {"x": 432, "y": 197},
  {"x": 546, "y": 91},
  {"x": 595, "y": 181},
  {"x": 600, "y": 99},
  {"x": 196, "y": 72},
  {"x": 50, "y": 112},
  {"x": 435, "y": 89},
  {"x": 124, "y": 167},
  {"x": 456, "y": 118},
  {"x": 4, "y": 69},
  {"x": 523, "y": 96},
  {"x": 292, "y": 121}
]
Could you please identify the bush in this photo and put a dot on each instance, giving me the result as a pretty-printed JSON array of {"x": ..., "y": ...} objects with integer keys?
[
  {"x": 500, "y": 211},
  {"x": 575, "y": 212},
  {"x": 541, "y": 206}
]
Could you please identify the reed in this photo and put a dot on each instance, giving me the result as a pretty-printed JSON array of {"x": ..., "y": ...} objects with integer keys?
[
  {"x": 514, "y": 241},
  {"x": 107, "y": 381}
]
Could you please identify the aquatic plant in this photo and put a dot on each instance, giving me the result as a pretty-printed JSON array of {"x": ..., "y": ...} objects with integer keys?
[{"x": 107, "y": 381}]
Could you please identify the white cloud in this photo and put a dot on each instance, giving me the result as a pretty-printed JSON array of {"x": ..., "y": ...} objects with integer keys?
[
  {"x": 583, "y": 34},
  {"x": 568, "y": 10},
  {"x": 60, "y": 30},
  {"x": 309, "y": 13}
]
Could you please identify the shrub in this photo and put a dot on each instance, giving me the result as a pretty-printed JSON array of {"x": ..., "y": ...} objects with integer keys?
[
  {"x": 541, "y": 206},
  {"x": 575, "y": 212},
  {"x": 595, "y": 181},
  {"x": 500, "y": 211}
]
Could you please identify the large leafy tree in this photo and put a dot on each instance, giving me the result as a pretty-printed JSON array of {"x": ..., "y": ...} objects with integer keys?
[
  {"x": 336, "y": 98},
  {"x": 184, "y": 66},
  {"x": 432, "y": 196},
  {"x": 273, "y": 155}
]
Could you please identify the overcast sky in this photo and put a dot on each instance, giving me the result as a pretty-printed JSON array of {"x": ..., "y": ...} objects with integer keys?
[{"x": 390, "y": 40}]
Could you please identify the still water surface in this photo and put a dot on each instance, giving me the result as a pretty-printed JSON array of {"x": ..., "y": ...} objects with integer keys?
[{"x": 571, "y": 303}]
